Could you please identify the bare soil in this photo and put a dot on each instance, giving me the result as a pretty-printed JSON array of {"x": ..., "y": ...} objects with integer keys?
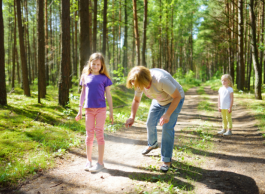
[{"x": 235, "y": 165}]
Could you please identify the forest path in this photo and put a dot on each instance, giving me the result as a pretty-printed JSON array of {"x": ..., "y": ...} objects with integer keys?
[{"x": 236, "y": 165}]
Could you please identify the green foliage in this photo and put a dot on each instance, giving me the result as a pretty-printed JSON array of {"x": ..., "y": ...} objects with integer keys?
[
  {"x": 119, "y": 75},
  {"x": 186, "y": 80}
]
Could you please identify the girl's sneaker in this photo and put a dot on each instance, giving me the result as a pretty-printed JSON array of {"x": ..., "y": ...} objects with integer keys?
[
  {"x": 229, "y": 132},
  {"x": 98, "y": 167},
  {"x": 88, "y": 165},
  {"x": 222, "y": 131}
]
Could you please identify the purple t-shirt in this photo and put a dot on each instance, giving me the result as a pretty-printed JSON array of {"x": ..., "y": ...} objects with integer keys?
[{"x": 95, "y": 89}]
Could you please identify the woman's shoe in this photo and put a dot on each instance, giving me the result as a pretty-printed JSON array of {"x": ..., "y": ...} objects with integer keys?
[
  {"x": 165, "y": 168},
  {"x": 149, "y": 149}
]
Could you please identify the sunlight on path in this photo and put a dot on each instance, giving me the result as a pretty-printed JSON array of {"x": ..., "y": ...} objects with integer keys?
[{"x": 233, "y": 159}]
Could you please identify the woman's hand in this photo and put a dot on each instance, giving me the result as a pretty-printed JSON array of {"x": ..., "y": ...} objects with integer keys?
[
  {"x": 230, "y": 110},
  {"x": 164, "y": 119},
  {"x": 129, "y": 122}
]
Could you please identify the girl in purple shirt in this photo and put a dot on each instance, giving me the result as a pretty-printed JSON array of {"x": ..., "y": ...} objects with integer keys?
[{"x": 95, "y": 82}]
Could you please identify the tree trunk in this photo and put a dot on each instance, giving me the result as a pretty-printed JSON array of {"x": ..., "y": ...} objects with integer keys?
[
  {"x": 136, "y": 33},
  {"x": 144, "y": 33},
  {"x": 51, "y": 58},
  {"x": 35, "y": 64},
  {"x": 232, "y": 69},
  {"x": 18, "y": 70},
  {"x": 84, "y": 34},
  {"x": 75, "y": 62},
  {"x": 255, "y": 60},
  {"x": 191, "y": 43},
  {"x": 14, "y": 47},
  {"x": 64, "y": 83},
  {"x": 104, "y": 27},
  {"x": 46, "y": 44},
  {"x": 22, "y": 52},
  {"x": 160, "y": 38},
  {"x": 133, "y": 49},
  {"x": 41, "y": 51},
  {"x": 95, "y": 26},
  {"x": 90, "y": 26},
  {"x": 262, "y": 37},
  {"x": 241, "y": 63},
  {"x": 3, "y": 98},
  {"x": 27, "y": 41},
  {"x": 125, "y": 45}
]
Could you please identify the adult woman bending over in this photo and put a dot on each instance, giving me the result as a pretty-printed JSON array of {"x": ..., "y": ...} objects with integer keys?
[{"x": 168, "y": 98}]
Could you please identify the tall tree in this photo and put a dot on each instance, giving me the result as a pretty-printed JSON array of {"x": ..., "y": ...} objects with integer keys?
[
  {"x": 41, "y": 51},
  {"x": 257, "y": 68},
  {"x": 14, "y": 47},
  {"x": 3, "y": 100},
  {"x": 241, "y": 63},
  {"x": 22, "y": 52},
  {"x": 84, "y": 33},
  {"x": 95, "y": 26},
  {"x": 64, "y": 83},
  {"x": 125, "y": 45},
  {"x": 104, "y": 43},
  {"x": 136, "y": 32},
  {"x": 46, "y": 43},
  {"x": 144, "y": 33}
]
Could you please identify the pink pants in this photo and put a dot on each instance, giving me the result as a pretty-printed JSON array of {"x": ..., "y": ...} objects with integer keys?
[{"x": 93, "y": 115}]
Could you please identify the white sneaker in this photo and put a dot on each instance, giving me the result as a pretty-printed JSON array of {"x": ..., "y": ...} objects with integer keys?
[
  {"x": 88, "y": 165},
  {"x": 229, "y": 132},
  {"x": 98, "y": 167},
  {"x": 222, "y": 131}
]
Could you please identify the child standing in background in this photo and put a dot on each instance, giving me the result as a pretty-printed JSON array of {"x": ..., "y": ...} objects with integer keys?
[
  {"x": 95, "y": 82},
  {"x": 225, "y": 103}
]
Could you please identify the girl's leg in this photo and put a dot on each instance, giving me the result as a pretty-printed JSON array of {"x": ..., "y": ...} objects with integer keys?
[
  {"x": 90, "y": 125},
  {"x": 155, "y": 113},
  {"x": 224, "y": 118},
  {"x": 229, "y": 119},
  {"x": 168, "y": 133},
  {"x": 100, "y": 121}
]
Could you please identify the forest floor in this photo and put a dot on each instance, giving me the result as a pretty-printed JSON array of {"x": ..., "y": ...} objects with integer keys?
[{"x": 233, "y": 164}]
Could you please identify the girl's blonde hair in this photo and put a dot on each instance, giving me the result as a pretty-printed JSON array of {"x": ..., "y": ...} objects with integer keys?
[
  {"x": 229, "y": 78},
  {"x": 139, "y": 77},
  {"x": 87, "y": 69}
]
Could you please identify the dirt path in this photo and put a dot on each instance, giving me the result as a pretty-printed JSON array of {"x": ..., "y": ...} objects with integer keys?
[{"x": 236, "y": 165}]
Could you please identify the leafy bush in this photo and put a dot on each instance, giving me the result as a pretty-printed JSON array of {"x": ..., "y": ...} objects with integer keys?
[{"x": 188, "y": 78}]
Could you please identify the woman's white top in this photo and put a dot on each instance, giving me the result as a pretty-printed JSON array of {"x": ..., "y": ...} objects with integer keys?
[{"x": 162, "y": 87}]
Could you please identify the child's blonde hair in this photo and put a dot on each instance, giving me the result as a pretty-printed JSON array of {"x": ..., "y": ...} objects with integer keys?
[
  {"x": 87, "y": 69},
  {"x": 229, "y": 78},
  {"x": 139, "y": 77}
]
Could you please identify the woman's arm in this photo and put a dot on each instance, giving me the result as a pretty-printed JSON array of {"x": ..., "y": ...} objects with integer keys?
[
  {"x": 109, "y": 99},
  {"x": 174, "y": 104},
  {"x": 135, "y": 105}
]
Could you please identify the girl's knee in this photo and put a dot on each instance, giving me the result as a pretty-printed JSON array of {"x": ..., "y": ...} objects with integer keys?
[{"x": 89, "y": 140}]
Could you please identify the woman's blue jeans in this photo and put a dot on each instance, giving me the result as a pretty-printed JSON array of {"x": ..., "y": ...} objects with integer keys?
[{"x": 167, "y": 143}]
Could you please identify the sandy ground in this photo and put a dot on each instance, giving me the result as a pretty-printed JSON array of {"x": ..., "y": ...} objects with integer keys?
[{"x": 235, "y": 165}]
